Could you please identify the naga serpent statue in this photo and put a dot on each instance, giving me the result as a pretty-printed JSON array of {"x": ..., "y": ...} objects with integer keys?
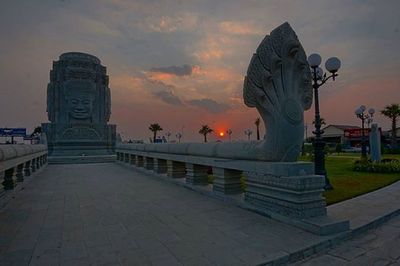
[{"x": 278, "y": 84}]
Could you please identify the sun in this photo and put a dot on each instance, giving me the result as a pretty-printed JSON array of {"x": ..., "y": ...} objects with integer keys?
[{"x": 221, "y": 134}]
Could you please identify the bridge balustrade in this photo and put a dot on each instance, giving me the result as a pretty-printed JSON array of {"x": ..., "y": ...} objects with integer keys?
[
  {"x": 287, "y": 191},
  {"x": 18, "y": 161},
  {"x": 194, "y": 169}
]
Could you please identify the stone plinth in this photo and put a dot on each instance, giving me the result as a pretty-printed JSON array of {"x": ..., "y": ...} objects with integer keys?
[
  {"x": 196, "y": 174},
  {"x": 294, "y": 196},
  {"x": 132, "y": 159},
  {"x": 148, "y": 163},
  {"x": 295, "y": 200},
  {"x": 160, "y": 166},
  {"x": 139, "y": 161},
  {"x": 176, "y": 169},
  {"x": 227, "y": 181}
]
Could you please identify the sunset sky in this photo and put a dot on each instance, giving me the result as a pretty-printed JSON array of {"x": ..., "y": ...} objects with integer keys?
[{"x": 181, "y": 63}]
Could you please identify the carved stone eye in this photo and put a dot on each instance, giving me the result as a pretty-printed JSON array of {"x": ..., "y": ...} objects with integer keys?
[{"x": 293, "y": 51}]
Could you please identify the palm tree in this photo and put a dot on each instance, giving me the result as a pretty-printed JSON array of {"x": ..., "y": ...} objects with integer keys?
[
  {"x": 257, "y": 123},
  {"x": 204, "y": 130},
  {"x": 155, "y": 128},
  {"x": 248, "y": 133},
  {"x": 392, "y": 112},
  {"x": 168, "y": 134}
]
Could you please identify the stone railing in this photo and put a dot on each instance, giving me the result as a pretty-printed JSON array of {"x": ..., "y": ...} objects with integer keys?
[
  {"x": 18, "y": 161},
  {"x": 287, "y": 191}
]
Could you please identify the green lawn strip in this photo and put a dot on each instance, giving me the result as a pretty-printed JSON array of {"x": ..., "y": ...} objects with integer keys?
[
  {"x": 358, "y": 155},
  {"x": 347, "y": 183}
]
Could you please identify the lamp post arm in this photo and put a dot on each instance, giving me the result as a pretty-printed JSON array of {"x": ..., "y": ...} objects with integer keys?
[{"x": 325, "y": 79}]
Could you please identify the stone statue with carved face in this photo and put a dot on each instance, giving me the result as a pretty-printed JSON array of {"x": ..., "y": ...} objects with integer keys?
[{"x": 79, "y": 107}]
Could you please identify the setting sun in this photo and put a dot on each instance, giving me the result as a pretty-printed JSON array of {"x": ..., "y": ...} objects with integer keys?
[{"x": 221, "y": 134}]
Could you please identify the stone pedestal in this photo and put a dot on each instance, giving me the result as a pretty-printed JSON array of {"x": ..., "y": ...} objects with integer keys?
[
  {"x": 20, "y": 173},
  {"x": 148, "y": 163},
  {"x": 33, "y": 165},
  {"x": 139, "y": 161},
  {"x": 132, "y": 159},
  {"x": 196, "y": 174},
  {"x": 37, "y": 160},
  {"x": 9, "y": 182},
  {"x": 160, "y": 166},
  {"x": 227, "y": 181},
  {"x": 126, "y": 158},
  {"x": 293, "y": 196},
  {"x": 27, "y": 168},
  {"x": 176, "y": 169},
  {"x": 294, "y": 199}
]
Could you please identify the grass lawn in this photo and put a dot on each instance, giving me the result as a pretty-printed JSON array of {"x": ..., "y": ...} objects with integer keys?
[{"x": 348, "y": 183}]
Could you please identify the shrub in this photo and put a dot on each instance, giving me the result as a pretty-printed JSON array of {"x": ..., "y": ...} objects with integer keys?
[
  {"x": 338, "y": 148},
  {"x": 308, "y": 148},
  {"x": 390, "y": 151},
  {"x": 327, "y": 150},
  {"x": 384, "y": 166}
]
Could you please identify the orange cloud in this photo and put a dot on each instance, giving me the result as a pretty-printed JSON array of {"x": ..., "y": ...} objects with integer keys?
[
  {"x": 208, "y": 54},
  {"x": 239, "y": 28},
  {"x": 158, "y": 76}
]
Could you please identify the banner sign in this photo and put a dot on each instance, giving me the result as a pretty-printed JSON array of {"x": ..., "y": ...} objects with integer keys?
[
  {"x": 12, "y": 132},
  {"x": 357, "y": 132}
]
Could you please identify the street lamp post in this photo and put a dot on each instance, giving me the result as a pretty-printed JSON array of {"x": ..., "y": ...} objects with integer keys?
[
  {"x": 178, "y": 136},
  {"x": 248, "y": 133},
  {"x": 319, "y": 78},
  {"x": 168, "y": 134},
  {"x": 369, "y": 118},
  {"x": 229, "y": 132}
]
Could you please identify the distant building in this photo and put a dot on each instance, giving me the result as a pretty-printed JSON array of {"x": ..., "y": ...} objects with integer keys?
[
  {"x": 334, "y": 134},
  {"x": 350, "y": 136}
]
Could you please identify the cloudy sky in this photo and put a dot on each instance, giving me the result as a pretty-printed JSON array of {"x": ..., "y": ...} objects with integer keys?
[{"x": 181, "y": 63}]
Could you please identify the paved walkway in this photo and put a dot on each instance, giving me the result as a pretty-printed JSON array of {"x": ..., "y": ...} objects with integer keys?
[
  {"x": 369, "y": 209},
  {"x": 380, "y": 246},
  {"x": 108, "y": 214}
]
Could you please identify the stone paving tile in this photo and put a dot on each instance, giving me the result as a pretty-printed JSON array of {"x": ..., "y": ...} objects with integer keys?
[
  {"x": 107, "y": 214},
  {"x": 196, "y": 261},
  {"x": 75, "y": 262},
  {"x": 325, "y": 260},
  {"x": 102, "y": 255},
  {"x": 376, "y": 204},
  {"x": 132, "y": 257},
  {"x": 73, "y": 250},
  {"x": 380, "y": 246},
  {"x": 16, "y": 258},
  {"x": 45, "y": 257}
]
